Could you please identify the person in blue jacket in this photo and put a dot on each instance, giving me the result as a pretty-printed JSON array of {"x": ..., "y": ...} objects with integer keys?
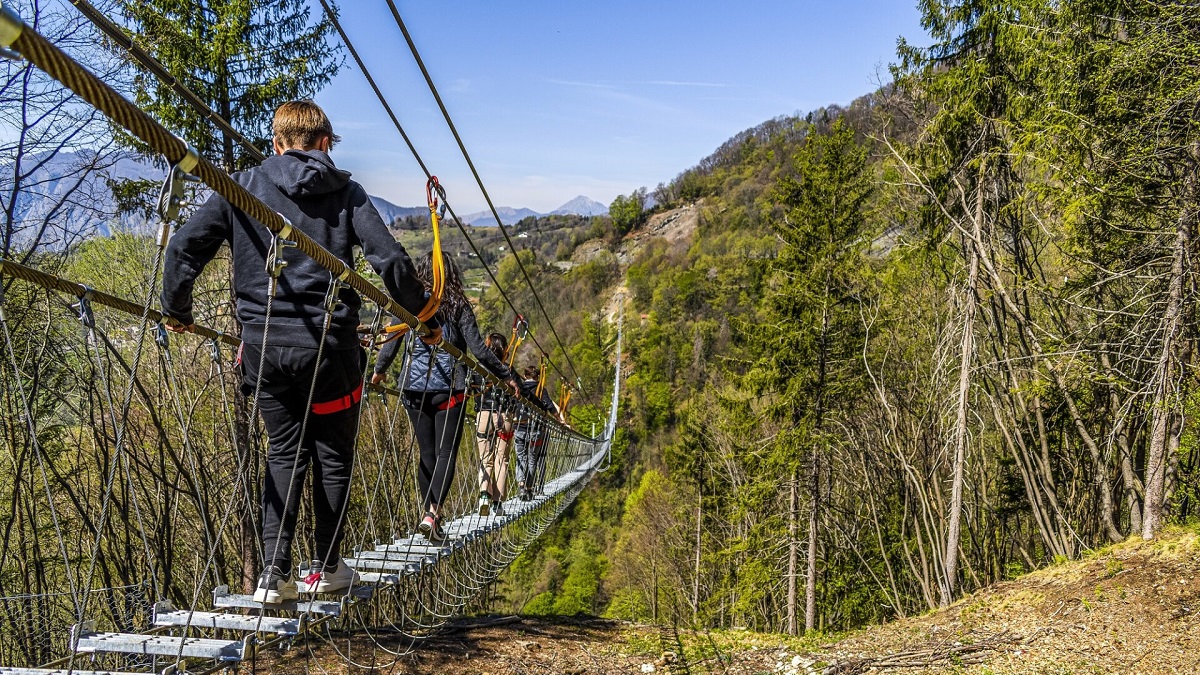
[{"x": 435, "y": 391}]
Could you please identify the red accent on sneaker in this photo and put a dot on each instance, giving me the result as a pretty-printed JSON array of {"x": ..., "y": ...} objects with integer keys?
[{"x": 312, "y": 579}]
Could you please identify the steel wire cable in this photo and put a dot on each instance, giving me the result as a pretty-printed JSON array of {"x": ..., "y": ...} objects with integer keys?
[
  {"x": 479, "y": 180},
  {"x": 329, "y": 11}
]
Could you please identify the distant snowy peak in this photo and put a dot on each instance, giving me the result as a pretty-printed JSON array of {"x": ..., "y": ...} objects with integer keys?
[{"x": 581, "y": 206}]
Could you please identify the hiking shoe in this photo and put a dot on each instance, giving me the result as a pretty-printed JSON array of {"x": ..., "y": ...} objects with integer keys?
[
  {"x": 485, "y": 504},
  {"x": 498, "y": 509},
  {"x": 431, "y": 528},
  {"x": 275, "y": 587},
  {"x": 325, "y": 579},
  {"x": 526, "y": 496}
]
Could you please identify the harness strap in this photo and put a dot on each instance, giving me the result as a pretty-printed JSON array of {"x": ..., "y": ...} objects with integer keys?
[
  {"x": 339, "y": 404},
  {"x": 452, "y": 401}
]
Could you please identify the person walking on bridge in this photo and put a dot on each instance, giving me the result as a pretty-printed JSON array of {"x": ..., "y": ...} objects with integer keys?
[
  {"x": 530, "y": 436},
  {"x": 307, "y": 374},
  {"x": 493, "y": 434},
  {"x": 435, "y": 391}
]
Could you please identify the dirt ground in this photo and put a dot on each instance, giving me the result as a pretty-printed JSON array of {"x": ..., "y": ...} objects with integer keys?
[
  {"x": 1132, "y": 608},
  {"x": 535, "y": 646},
  {"x": 1129, "y": 609}
]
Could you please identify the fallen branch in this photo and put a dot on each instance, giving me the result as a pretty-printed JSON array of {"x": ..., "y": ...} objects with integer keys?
[{"x": 958, "y": 654}]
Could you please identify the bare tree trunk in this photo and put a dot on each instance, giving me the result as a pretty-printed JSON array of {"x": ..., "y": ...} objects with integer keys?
[
  {"x": 810, "y": 584},
  {"x": 699, "y": 531},
  {"x": 1164, "y": 384},
  {"x": 793, "y": 553},
  {"x": 967, "y": 357}
]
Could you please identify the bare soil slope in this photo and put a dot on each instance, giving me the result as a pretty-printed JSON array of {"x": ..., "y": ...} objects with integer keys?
[
  {"x": 1131, "y": 608},
  {"x": 1127, "y": 609}
]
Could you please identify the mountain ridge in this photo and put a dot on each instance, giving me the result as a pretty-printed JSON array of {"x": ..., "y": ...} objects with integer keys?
[{"x": 129, "y": 166}]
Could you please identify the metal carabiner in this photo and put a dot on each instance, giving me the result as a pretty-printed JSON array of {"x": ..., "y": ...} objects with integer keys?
[
  {"x": 275, "y": 261},
  {"x": 170, "y": 196},
  {"x": 84, "y": 309}
]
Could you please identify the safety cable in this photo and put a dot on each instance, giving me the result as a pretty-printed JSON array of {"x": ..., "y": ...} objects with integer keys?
[
  {"x": 463, "y": 148},
  {"x": 116, "y": 34}
]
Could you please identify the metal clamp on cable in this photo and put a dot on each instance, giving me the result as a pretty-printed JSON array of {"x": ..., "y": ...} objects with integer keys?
[
  {"x": 84, "y": 308},
  {"x": 332, "y": 299},
  {"x": 160, "y": 336},
  {"x": 214, "y": 349},
  {"x": 11, "y": 27},
  {"x": 170, "y": 197},
  {"x": 275, "y": 261}
]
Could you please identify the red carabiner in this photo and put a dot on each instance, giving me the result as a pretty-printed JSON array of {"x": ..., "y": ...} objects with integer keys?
[{"x": 432, "y": 186}]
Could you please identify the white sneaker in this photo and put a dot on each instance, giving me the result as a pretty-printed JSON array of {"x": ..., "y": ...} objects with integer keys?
[
  {"x": 275, "y": 587},
  {"x": 325, "y": 580}
]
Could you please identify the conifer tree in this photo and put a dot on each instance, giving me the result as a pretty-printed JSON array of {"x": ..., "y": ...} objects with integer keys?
[
  {"x": 808, "y": 343},
  {"x": 242, "y": 57}
]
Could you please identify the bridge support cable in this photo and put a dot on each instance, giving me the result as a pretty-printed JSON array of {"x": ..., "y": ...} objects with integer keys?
[{"x": 479, "y": 181}]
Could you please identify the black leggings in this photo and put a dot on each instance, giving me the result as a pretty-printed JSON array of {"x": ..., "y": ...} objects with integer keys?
[
  {"x": 328, "y": 444},
  {"x": 437, "y": 420}
]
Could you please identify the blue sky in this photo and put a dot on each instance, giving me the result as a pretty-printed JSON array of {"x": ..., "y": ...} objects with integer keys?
[{"x": 559, "y": 98}]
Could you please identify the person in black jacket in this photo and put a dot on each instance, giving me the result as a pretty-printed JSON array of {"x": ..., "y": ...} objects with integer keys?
[
  {"x": 435, "y": 391},
  {"x": 281, "y": 341}
]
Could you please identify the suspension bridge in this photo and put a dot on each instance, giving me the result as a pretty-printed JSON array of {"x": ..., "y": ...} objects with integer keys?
[{"x": 133, "y": 456}]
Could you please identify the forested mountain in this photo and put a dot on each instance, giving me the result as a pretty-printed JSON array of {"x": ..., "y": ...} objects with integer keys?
[{"x": 913, "y": 346}]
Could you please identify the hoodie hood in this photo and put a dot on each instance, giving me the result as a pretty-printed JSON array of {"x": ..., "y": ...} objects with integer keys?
[{"x": 304, "y": 173}]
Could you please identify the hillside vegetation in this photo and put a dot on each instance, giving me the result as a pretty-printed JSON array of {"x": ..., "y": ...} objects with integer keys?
[{"x": 883, "y": 355}]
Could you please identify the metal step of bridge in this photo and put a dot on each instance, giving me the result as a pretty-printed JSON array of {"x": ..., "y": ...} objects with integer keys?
[
  {"x": 223, "y": 598},
  {"x": 86, "y": 640},
  {"x": 166, "y": 615},
  {"x": 394, "y": 563},
  {"x": 419, "y": 544}
]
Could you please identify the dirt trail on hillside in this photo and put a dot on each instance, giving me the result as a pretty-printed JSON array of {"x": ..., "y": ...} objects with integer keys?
[{"x": 1131, "y": 609}]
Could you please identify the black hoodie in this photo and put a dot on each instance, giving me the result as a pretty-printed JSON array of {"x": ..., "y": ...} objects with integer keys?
[{"x": 320, "y": 200}]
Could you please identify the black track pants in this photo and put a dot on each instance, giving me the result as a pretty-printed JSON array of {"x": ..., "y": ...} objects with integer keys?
[
  {"x": 437, "y": 421},
  {"x": 329, "y": 438}
]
